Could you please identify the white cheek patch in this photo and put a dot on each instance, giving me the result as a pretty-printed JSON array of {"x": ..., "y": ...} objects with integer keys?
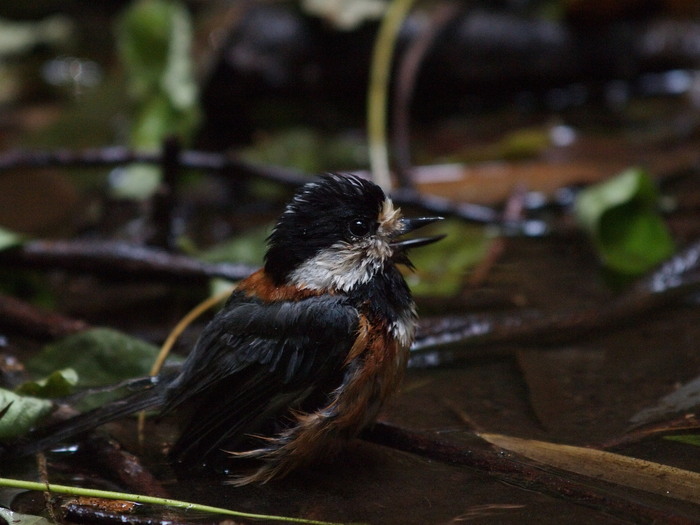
[
  {"x": 341, "y": 267},
  {"x": 345, "y": 265}
]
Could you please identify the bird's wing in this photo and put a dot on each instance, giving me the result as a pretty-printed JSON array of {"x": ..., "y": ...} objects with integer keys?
[{"x": 254, "y": 361}]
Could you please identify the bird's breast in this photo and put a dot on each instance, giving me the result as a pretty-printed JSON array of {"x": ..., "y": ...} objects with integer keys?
[{"x": 374, "y": 370}]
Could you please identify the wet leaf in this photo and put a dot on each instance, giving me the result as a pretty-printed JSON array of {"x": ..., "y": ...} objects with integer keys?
[
  {"x": 9, "y": 239},
  {"x": 20, "y": 413},
  {"x": 684, "y": 398},
  {"x": 15, "y": 518},
  {"x": 58, "y": 384},
  {"x": 621, "y": 217},
  {"x": 99, "y": 356},
  {"x": 689, "y": 439},
  {"x": 630, "y": 472},
  {"x": 440, "y": 268}
]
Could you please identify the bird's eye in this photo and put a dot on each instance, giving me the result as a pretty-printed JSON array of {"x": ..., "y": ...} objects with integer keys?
[{"x": 359, "y": 227}]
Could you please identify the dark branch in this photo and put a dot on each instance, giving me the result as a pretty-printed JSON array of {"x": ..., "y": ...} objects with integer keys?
[
  {"x": 118, "y": 155},
  {"x": 225, "y": 165},
  {"x": 119, "y": 260}
]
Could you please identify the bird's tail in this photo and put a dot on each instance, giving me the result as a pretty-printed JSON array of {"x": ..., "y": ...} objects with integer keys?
[{"x": 43, "y": 438}]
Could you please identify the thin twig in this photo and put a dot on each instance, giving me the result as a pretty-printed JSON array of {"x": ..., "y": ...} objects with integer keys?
[
  {"x": 119, "y": 155},
  {"x": 226, "y": 165}
]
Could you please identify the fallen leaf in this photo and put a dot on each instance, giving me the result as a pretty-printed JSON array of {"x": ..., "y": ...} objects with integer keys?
[
  {"x": 20, "y": 413},
  {"x": 664, "y": 480}
]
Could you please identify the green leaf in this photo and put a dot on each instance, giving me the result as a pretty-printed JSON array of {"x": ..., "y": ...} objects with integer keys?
[
  {"x": 20, "y": 413},
  {"x": 99, "y": 356},
  {"x": 155, "y": 40},
  {"x": 440, "y": 268},
  {"x": 59, "y": 384},
  {"x": 15, "y": 518},
  {"x": 9, "y": 239},
  {"x": 143, "y": 36},
  {"x": 689, "y": 439},
  {"x": 621, "y": 217}
]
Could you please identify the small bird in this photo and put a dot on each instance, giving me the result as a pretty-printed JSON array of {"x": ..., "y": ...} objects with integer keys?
[{"x": 305, "y": 351}]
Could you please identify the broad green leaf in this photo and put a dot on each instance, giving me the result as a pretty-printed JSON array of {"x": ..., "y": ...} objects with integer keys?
[
  {"x": 621, "y": 217},
  {"x": 20, "y": 413},
  {"x": 9, "y": 239},
  {"x": 99, "y": 356},
  {"x": 58, "y": 384},
  {"x": 15, "y": 518},
  {"x": 440, "y": 268}
]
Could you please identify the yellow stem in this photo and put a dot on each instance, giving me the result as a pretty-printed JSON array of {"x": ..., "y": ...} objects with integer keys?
[{"x": 378, "y": 91}]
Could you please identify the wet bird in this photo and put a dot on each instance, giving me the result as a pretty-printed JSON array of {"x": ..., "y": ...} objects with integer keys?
[{"x": 305, "y": 351}]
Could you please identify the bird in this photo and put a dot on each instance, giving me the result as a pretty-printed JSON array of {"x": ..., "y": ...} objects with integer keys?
[{"x": 306, "y": 350}]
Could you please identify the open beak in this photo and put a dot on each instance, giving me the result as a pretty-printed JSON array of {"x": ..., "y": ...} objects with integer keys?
[{"x": 409, "y": 225}]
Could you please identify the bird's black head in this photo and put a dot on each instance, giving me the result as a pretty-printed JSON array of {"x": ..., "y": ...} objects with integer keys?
[{"x": 336, "y": 232}]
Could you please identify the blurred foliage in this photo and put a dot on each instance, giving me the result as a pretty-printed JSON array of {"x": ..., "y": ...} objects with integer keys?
[
  {"x": 8, "y": 238},
  {"x": 154, "y": 40},
  {"x": 519, "y": 144},
  {"x": 248, "y": 248},
  {"x": 58, "y": 384},
  {"x": 622, "y": 218},
  {"x": 309, "y": 150},
  {"x": 18, "y": 38},
  {"x": 440, "y": 268}
]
